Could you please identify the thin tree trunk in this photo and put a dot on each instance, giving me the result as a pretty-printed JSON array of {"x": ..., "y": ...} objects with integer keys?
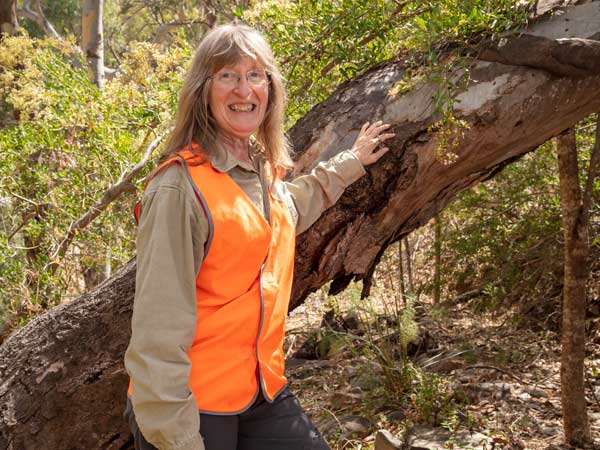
[
  {"x": 92, "y": 40},
  {"x": 409, "y": 274},
  {"x": 108, "y": 263},
  {"x": 401, "y": 273},
  {"x": 576, "y": 250},
  {"x": 8, "y": 17},
  {"x": 437, "y": 226}
]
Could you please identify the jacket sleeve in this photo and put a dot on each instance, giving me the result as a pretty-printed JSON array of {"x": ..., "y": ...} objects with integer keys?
[
  {"x": 172, "y": 231},
  {"x": 312, "y": 194}
]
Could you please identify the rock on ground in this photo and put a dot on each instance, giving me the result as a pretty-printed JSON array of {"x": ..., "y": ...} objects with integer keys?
[{"x": 429, "y": 438}]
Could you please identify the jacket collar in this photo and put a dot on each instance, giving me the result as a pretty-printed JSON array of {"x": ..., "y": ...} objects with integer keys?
[{"x": 223, "y": 161}]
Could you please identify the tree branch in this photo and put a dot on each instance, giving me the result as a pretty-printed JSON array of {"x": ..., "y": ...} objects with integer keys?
[
  {"x": 38, "y": 17},
  {"x": 568, "y": 57},
  {"x": 111, "y": 194},
  {"x": 165, "y": 27},
  {"x": 592, "y": 174},
  {"x": 36, "y": 211}
]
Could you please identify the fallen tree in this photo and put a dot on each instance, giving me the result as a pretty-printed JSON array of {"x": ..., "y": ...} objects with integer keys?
[{"x": 62, "y": 382}]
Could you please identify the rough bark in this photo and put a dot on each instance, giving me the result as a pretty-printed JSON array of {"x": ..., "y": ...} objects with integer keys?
[
  {"x": 62, "y": 382},
  {"x": 8, "y": 17},
  {"x": 575, "y": 220},
  {"x": 92, "y": 40}
]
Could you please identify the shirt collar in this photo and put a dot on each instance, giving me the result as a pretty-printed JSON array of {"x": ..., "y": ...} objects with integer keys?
[{"x": 223, "y": 161}]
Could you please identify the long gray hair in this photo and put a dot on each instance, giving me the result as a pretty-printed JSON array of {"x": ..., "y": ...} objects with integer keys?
[{"x": 226, "y": 45}]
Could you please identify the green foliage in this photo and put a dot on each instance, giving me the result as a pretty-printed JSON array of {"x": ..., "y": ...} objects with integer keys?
[
  {"x": 431, "y": 398},
  {"x": 63, "y": 145},
  {"x": 321, "y": 44},
  {"x": 449, "y": 22},
  {"x": 408, "y": 329},
  {"x": 379, "y": 345},
  {"x": 65, "y": 15},
  {"x": 504, "y": 236},
  {"x": 499, "y": 227}
]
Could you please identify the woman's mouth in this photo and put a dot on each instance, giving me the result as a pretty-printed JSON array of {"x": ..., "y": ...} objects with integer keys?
[{"x": 242, "y": 107}]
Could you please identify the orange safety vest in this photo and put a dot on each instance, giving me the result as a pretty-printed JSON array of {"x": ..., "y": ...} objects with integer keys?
[{"x": 242, "y": 295}]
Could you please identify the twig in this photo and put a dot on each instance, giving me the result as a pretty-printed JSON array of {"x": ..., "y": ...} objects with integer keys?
[
  {"x": 112, "y": 50},
  {"x": 26, "y": 218},
  {"x": 111, "y": 194},
  {"x": 334, "y": 417},
  {"x": 25, "y": 199},
  {"x": 505, "y": 372},
  {"x": 175, "y": 23},
  {"x": 291, "y": 347}
]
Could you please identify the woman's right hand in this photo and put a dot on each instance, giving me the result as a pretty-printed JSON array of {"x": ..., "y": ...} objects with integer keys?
[{"x": 366, "y": 147}]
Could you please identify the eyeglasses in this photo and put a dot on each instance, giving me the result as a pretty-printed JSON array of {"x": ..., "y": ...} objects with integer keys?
[{"x": 231, "y": 78}]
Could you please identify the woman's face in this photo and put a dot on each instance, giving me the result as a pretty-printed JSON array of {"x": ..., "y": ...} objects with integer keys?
[{"x": 239, "y": 106}]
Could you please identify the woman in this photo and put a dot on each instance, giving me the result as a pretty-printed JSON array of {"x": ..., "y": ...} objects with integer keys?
[{"x": 215, "y": 258}]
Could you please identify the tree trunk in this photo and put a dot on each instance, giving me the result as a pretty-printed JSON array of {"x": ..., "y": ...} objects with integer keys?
[
  {"x": 92, "y": 41},
  {"x": 408, "y": 253},
  {"x": 62, "y": 382},
  {"x": 8, "y": 17},
  {"x": 401, "y": 273},
  {"x": 576, "y": 252}
]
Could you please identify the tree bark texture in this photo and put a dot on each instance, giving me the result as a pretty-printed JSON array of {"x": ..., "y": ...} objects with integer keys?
[
  {"x": 62, "y": 382},
  {"x": 576, "y": 252},
  {"x": 8, "y": 17},
  {"x": 92, "y": 39}
]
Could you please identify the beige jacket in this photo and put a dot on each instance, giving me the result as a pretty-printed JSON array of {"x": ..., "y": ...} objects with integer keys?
[{"x": 171, "y": 240}]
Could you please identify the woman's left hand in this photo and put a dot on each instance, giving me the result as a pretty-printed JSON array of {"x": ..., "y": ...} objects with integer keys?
[{"x": 370, "y": 137}]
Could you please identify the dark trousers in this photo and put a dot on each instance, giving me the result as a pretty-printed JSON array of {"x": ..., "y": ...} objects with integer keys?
[{"x": 281, "y": 425}]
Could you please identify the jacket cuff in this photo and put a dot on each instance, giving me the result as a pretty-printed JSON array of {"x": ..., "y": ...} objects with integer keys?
[
  {"x": 194, "y": 443},
  {"x": 348, "y": 167}
]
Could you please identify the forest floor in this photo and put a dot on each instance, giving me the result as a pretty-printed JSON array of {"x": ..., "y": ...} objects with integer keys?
[{"x": 483, "y": 375}]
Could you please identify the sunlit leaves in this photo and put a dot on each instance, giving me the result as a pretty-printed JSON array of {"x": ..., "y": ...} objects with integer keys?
[
  {"x": 323, "y": 43},
  {"x": 63, "y": 144}
]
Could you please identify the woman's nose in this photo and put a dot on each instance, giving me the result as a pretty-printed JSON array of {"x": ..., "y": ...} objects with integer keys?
[{"x": 242, "y": 87}]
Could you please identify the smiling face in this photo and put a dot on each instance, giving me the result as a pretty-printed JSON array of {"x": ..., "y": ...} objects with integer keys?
[{"x": 238, "y": 107}]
